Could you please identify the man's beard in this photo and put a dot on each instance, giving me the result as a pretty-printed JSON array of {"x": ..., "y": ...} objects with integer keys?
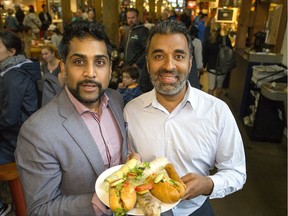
[
  {"x": 169, "y": 88},
  {"x": 77, "y": 95}
]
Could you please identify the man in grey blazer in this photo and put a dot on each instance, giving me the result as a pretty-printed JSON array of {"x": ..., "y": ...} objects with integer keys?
[{"x": 67, "y": 144}]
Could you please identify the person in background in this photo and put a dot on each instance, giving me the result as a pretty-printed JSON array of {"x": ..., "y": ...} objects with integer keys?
[
  {"x": 129, "y": 87},
  {"x": 51, "y": 63},
  {"x": 80, "y": 133},
  {"x": 33, "y": 21},
  {"x": 19, "y": 14},
  {"x": 185, "y": 17},
  {"x": 197, "y": 18},
  {"x": 201, "y": 27},
  {"x": 11, "y": 22},
  {"x": 91, "y": 15},
  {"x": 197, "y": 65},
  {"x": 46, "y": 20},
  {"x": 50, "y": 68},
  {"x": 215, "y": 80},
  {"x": 193, "y": 129},
  {"x": 18, "y": 96},
  {"x": 135, "y": 42},
  {"x": 165, "y": 14},
  {"x": 78, "y": 16},
  {"x": 55, "y": 35}
]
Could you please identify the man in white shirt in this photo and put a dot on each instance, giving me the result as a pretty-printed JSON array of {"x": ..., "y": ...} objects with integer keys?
[{"x": 194, "y": 130}]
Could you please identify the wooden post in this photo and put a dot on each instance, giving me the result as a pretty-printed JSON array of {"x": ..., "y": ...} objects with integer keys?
[
  {"x": 98, "y": 10},
  {"x": 152, "y": 14},
  {"x": 243, "y": 23},
  {"x": 66, "y": 11},
  {"x": 139, "y": 6},
  {"x": 282, "y": 28},
  {"x": 159, "y": 9},
  {"x": 111, "y": 20}
]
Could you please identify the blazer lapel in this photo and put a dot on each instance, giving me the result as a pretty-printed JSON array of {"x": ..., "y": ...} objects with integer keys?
[
  {"x": 118, "y": 114},
  {"x": 80, "y": 133}
]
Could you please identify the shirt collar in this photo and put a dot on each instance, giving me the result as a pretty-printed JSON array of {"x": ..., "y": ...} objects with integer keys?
[
  {"x": 190, "y": 97},
  {"x": 80, "y": 107}
]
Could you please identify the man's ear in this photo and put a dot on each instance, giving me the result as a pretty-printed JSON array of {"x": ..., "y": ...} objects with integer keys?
[
  {"x": 62, "y": 67},
  {"x": 147, "y": 66},
  {"x": 12, "y": 52},
  {"x": 190, "y": 63}
]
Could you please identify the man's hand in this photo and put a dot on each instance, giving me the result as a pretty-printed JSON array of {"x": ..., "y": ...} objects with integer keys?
[
  {"x": 197, "y": 185},
  {"x": 133, "y": 155},
  {"x": 121, "y": 85}
]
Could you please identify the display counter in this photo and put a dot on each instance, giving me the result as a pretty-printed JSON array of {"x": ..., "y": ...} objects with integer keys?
[
  {"x": 240, "y": 77},
  {"x": 260, "y": 115}
]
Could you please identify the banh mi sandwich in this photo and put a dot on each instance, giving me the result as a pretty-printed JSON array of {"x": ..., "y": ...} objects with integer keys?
[
  {"x": 167, "y": 185},
  {"x": 141, "y": 178},
  {"x": 122, "y": 198}
]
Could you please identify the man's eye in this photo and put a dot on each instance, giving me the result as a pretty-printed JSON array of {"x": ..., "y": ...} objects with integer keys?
[
  {"x": 179, "y": 57},
  {"x": 100, "y": 62},
  {"x": 78, "y": 61},
  {"x": 158, "y": 57}
]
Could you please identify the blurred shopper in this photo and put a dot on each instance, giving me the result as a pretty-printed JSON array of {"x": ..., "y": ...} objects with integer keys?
[
  {"x": 18, "y": 92},
  {"x": 215, "y": 80},
  {"x": 46, "y": 20},
  {"x": 19, "y": 14},
  {"x": 55, "y": 35},
  {"x": 11, "y": 22},
  {"x": 33, "y": 21},
  {"x": 201, "y": 27},
  {"x": 78, "y": 16},
  {"x": 91, "y": 15},
  {"x": 185, "y": 17},
  {"x": 135, "y": 41},
  {"x": 51, "y": 70}
]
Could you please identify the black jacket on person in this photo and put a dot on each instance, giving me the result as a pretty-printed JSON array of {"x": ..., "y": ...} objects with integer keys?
[
  {"x": 18, "y": 101},
  {"x": 135, "y": 45},
  {"x": 20, "y": 16},
  {"x": 45, "y": 23},
  {"x": 210, "y": 52}
]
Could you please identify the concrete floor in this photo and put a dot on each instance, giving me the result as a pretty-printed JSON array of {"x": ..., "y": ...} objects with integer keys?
[{"x": 265, "y": 192}]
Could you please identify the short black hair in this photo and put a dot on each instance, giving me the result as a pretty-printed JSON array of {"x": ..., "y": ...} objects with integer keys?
[
  {"x": 134, "y": 10},
  {"x": 11, "y": 41},
  {"x": 170, "y": 27},
  {"x": 81, "y": 29},
  {"x": 131, "y": 70}
]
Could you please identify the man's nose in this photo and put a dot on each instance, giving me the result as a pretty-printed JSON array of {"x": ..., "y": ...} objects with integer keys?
[
  {"x": 89, "y": 71},
  {"x": 169, "y": 64}
]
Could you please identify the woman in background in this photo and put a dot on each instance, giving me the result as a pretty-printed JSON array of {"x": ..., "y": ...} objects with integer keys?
[
  {"x": 215, "y": 81},
  {"x": 52, "y": 80},
  {"x": 51, "y": 64},
  {"x": 18, "y": 96}
]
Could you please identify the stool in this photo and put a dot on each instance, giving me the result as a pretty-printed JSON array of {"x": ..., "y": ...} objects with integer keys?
[{"x": 9, "y": 173}]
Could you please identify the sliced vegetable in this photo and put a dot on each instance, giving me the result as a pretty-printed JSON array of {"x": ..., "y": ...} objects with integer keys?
[
  {"x": 159, "y": 177},
  {"x": 143, "y": 187},
  {"x": 117, "y": 182}
]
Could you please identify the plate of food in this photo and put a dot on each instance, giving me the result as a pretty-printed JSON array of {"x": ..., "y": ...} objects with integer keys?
[{"x": 140, "y": 188}]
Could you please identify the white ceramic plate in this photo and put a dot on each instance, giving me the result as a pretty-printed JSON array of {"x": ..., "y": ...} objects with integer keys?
[{"x": 102, "y": 188}]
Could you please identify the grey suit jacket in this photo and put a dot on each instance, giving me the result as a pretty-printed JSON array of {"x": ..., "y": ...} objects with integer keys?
[{"x": 58, "y": 159}]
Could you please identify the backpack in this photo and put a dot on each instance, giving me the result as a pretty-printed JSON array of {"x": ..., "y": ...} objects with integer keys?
[{"x": 226, "y": 59}]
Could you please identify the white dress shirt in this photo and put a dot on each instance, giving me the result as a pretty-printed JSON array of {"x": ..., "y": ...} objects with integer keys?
[{"x": 197, "y": 135}]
